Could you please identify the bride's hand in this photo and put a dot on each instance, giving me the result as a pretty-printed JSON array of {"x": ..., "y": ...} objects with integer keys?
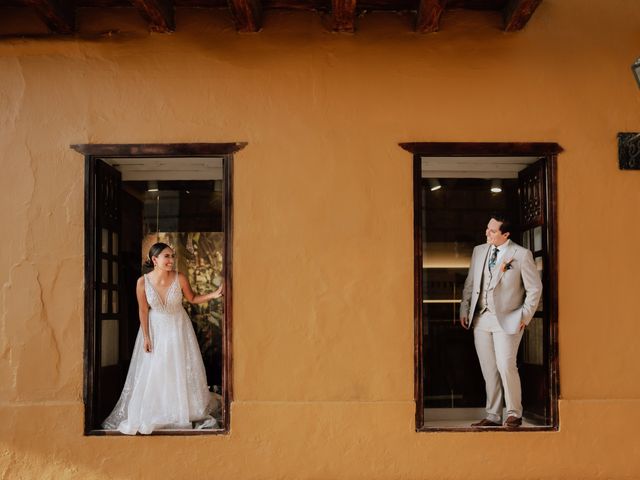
[
  {"x": 218, "y": 292},
  {"x": 148, "y": 347}
]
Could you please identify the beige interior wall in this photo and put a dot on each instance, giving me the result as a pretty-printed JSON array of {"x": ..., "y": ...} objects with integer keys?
[{"x": 323, "y": 240}]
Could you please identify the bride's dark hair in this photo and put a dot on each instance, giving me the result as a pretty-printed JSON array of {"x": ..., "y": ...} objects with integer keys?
[{"x": 155, "y": 250}]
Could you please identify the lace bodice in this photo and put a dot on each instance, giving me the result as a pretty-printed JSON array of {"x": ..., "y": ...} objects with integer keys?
[{"x": 171, "y": 304}]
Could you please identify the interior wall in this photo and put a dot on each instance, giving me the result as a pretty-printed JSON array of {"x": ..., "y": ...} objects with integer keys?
[{"x": 323, "y": 239}]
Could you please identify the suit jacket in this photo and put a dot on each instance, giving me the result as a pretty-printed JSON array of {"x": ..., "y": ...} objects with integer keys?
[{"x": 516, "y": 292}]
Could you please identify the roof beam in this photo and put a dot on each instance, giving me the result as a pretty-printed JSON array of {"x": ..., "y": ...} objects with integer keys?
[
  {"x": 247, "y": 14},
  {"x": 517, "y": 13},
  {"x": 59, "y": 15},
  {"x": 429, "y": 12},
  {"x": 157, "y": 13},
  {"x": 343, "y": 14}
]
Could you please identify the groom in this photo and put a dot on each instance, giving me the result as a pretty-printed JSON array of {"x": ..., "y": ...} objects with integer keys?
[{"x": 500, "y": 296}]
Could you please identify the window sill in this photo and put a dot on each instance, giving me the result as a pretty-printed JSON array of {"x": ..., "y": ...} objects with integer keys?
[{"x": 174, "y": 432}]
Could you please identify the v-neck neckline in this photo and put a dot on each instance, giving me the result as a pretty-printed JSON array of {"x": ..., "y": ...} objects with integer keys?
[{"x": 162, "y": 302}]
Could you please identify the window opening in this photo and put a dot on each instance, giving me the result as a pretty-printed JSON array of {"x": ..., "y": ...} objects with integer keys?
[
  {"x": 457, "y": 188},
  {"x": 133, "y": 202}
]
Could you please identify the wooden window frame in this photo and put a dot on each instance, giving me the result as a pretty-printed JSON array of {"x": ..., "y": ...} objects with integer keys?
[
  {"x": 550, "y": 152},
  {"x": 92, "y": 152}
]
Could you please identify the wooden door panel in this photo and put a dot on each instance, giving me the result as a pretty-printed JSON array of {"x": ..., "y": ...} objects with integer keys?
[
  {"x": 534, "y": 349},
  {"x": 108, "y": 368}
]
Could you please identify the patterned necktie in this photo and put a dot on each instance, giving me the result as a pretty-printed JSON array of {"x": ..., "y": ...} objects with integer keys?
[{"x": 494, "y": 257}]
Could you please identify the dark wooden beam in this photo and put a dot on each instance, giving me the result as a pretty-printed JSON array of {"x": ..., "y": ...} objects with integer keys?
[
  {"x": 158, "y": 14},
  {"x": 59, "y": 15},
  {"x": 481, "y": 149},
  {"x": 247, "y": 14},
  {"x": 343, "y": 14},
  {"x": 517, "y": 13},
  {"x": 429, "y": 12},
  {"x": 157, "y": 149}
]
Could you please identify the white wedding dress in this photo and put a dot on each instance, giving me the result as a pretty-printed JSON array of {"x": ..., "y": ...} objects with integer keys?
[{"x": 166, "y": 388}]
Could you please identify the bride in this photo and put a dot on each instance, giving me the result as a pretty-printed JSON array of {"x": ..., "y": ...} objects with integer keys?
[{"x": 166, "y": 386}]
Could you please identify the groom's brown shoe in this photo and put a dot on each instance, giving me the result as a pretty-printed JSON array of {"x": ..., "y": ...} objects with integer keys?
[
  {"x": 513, "y": 422},
  {"x": 485, "y": 422}
]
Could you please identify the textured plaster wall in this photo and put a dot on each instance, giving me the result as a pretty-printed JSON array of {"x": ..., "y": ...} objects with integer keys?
[{"x": 323, "y": 313}]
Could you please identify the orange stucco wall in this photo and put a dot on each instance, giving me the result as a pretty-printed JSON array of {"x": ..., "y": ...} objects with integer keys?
[{"x": 323, "y": 273}]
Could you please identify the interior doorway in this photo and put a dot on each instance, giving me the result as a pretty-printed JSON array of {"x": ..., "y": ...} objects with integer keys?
[{"x": 458, "y": 187}]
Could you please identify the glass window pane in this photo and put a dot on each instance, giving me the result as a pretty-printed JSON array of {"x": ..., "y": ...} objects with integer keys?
[
  {"x": 114, "y": 273},
  {"x": 537, "y": 239},
  {"x": 114, "y": 301},
  {"x": 525, "y": 239},
  {"x": 105, "y": 241},
  {"x": 104, "y": 303},
  {"x": 109, "y": 345},
  {"x": 114, "y": 243},
  {"x": 533, "y": 342},
  {"x": 105, "y": 271},
  {"x": 540, "y": 268}
]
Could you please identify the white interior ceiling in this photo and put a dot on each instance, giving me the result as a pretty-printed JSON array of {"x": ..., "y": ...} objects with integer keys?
[
  {"x": 174, "y": 168},
  {"x": 474, "y": 167}
]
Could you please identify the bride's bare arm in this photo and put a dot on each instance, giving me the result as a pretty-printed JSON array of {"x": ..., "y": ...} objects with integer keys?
[
  {"x": 192, "y": 297},
  {"x": 143, "y": 313}
]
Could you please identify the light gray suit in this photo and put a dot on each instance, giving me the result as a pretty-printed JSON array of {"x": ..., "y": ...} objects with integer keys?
[
  {"x": 516, "y": 291},
  {"x": 512, "y": 290}
]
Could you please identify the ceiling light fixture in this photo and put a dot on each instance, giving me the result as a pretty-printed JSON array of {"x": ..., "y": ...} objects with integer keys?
[
  {"x": 496, "y": 186},
  {"x": 152, "y": 186},
  {"x": 434, "y": 184}
]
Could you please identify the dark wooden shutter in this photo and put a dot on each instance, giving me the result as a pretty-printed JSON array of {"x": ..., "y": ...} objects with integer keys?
[
  {"x": 535, "y": 348},
  {"x": 107, "y": 278}
]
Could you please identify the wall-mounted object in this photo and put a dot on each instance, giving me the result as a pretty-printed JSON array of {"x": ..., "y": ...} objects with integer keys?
[
  {"x": 635, "y": 68},
  {"x": 629, "y": 150}
]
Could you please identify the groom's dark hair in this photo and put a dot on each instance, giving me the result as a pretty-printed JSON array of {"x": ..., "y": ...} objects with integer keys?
[{"x": 506, "y": 225}]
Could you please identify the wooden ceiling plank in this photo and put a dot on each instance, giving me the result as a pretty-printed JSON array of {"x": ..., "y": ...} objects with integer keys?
[
  {"x": 158, "y": 14},
  {"x": 429, "y": 13},
  {"x": 343, "y": 14},
  {"x": 59, "y": 15},
  {"x": 247, "y": 15},
  {"x": 517, "y": 13}
]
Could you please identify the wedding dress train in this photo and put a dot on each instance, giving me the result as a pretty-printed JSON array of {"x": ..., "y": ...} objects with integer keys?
[{"x": 167, "y": 387}]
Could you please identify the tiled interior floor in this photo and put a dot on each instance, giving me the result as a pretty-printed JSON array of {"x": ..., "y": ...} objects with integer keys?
[
  {"x": 459, "y": 417},
  {"x": 466, "y": 423}
]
